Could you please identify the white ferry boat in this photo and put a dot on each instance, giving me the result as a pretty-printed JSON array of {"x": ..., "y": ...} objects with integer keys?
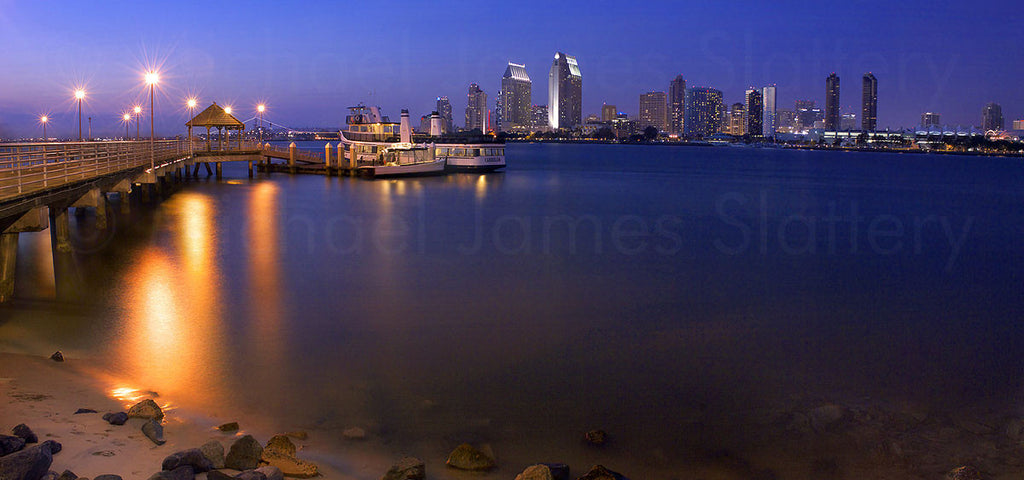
[
  {"x": 377, "y": 147},
  {"x": 464, "y": 152}
]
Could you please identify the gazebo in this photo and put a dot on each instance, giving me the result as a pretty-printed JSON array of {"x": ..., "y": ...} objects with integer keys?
[{"x": 215, "y": 116}]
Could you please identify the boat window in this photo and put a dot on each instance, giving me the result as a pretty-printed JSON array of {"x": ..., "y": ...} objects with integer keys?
[
  {"x": 501, "y": 151},
  {"x": 442, "y": 152},
  {"x": 473, "y": 152},
  {"x": 459, "y": 152}
]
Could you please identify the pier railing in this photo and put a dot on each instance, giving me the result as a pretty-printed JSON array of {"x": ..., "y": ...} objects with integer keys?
[{"x": 31, "y": 167}]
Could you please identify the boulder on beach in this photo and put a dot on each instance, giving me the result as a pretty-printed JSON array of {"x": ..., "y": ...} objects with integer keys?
[
  {"x": 825, "y": 416},
  {"x": 214, "y": 451},
  {"x": 192, "y": 457},
  {"x": 536, "y": 472},
  {"x": 228, "y": 427},
  {"x": 292, "y": 466},
  {"x": 108, "y": 476},
  {"x": 244, "y": 454},
  {"x": 596, "y": 437},
  {"x": 559, "y": 471},
  {"x": 251, "y": 475},
  {"x": 154, "y": 431},
  {"x": 465, "y": 457},
  {"x": 67, "y": 475},
  {"x": 184, "y": 472},
  {"x": 218, "y": 475},
  {"x": 22, "y": 431},
  {"x": 408, "y": 468},
  {"x": 57, "y": 356},
  {"x": 115, "y": 418},
  {"x": 279, "y": 445},
  {"x": 298, "y": 435},
  {"x": 30, "y": 463},
  {"x": 271, "y": 472},
  {"x": 10, "y": 444},
  {"x": 53, "y": 445},
  {"x": 146, "y": 409},
  {"x": 51, "y": 475},
  {"x": 84, "y": 410},
  {"x": 599, "y": 472}
]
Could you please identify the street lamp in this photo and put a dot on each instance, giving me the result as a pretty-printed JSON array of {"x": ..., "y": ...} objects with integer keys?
[
  {"x": 137, "y": 111},
  {"x": 127, "y": 121},
  {"x": 43, "y": 119},
  {"x": 260, "y": 108},
  {"x": 151, "y": 79},
  {"x": 191, "y": 104},
  {"x": 79, "y": 94}
]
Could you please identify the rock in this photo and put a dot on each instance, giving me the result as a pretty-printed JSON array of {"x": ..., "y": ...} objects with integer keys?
[
  {"x": 244, "y": 454},
  {"x": 25, "y": 433},
  {"x": 116, "y": 418},
  {"x": 51, "y": 475},
  {"x": 825, "y": 416},
  {"x": 559, "y": 471},
  {"x": 228, "y": 427},
  {"x": 146, "y": 409},
  {"x": 279, "y": 445},
  {"x": 192, "y": 457},
  {"x": 964, "y": 473},
  {"x": 184, "y": 472},
  {"x": 214, "y": 451},
  {"x": 57, "y": 356},
  {"x": 354, "y": 433},
  {"x": 536, "y": 472},
  {"x": 84, "y": 410},
  {"x": 108, "y": 477},
  {"x": 298, "y": 435},
  {"x": 598, "y": 472},
  {"x": 67, "y": 475},
  {"x": 251, "y": 475},
  {"x": 465, "y": 457},
  {"x": 154, "y": 431},
  {"x": 54, "y": 447},
  {"x": 408, "y": 468},
  {"x": 292, "y": 467},
  {"x": 10, "y": 444},
  {"x": 29, "y": 464},
  {"x": 596, "y": 437},
  {"x": 218, "y": 475},
  {"x": 271, "y": 472}
]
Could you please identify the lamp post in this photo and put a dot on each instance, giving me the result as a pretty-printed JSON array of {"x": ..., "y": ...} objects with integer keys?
[
  {"x": 43, "y": 119},
  {"x": 79, "y": 94},
  {"x": 137, "y": 111},
  {"x": 151, "y": 79},
  {"x": 127, "y": 121},
  {"x": 191, "y": 104},
  {"x": 260, "y": 108}
]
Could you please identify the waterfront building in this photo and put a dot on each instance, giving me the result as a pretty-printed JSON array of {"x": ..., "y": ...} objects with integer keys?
[
  {"x": 565, "y": 92},
  {"x": 540, "y": 117},
  {"x": 929, "y": 119},
  {"x": 992, "y": 117},
  {"x": 702, "y": 115},
  {"x": 869, "y": 103},
  {"x": 513, "y": 111},
  {"x": 608, "y": 112},
  {"x": 476, "y": 109},
  {"x": 737, "y": 120},
  {"x": 755, "y": 113},
  {"x": 786, "y": 121},
  {"x": 832, "y": 102},
  {"x": 1018, "y": 124},
  {"x": 623, "y": 126},
  {"x": 768, "y": 112},
  {"x": 848, "y": 121},
  {"x": 653, "y": 111},
  {"x": 676, "y": 104},
  {"x": 444, "y": 108},
  {"x": 424, "y": 124}
]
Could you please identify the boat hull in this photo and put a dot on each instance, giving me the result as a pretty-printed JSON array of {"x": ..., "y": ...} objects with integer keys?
[{"x": 412, "y": 170}]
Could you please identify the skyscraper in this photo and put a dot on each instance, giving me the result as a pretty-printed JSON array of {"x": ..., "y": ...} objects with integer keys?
[
  {"x": 807, "y": 114},
  {"x": 703, "y": 111},
  {"x": 869, "y": 103},
  {"x": 608, "y": 112},
  {"x": 540, "y": 117},
  {"x": 755, "y": 113},
  {"x": 738, "y": 120},
  {"x": 476, "y": 109},
  {"x": 832, "y": 102},
  {"x": 653, "y": 111},
  {"x": 676, "y": 104},
  {"x": 992, "y": 117},
  {"x": 929, "y": 119},
  {"x": 565, "y": 92},
  {"x": 444, "y": 108},
  {"x": 768, "y": 113},
  {"x": 516, "y": 94}
]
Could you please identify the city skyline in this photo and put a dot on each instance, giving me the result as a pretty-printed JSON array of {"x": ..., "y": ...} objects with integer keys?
[{"x": 305, "y": 84}]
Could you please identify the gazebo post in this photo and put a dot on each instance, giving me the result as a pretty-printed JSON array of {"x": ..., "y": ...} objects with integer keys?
[{"x": 208, "y": 146}]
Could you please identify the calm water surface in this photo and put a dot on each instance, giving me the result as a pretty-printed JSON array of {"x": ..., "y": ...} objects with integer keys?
[{"x": 683, "y": 299}]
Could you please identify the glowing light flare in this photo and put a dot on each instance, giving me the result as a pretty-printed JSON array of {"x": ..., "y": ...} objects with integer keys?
[
  {"x": 129, "y": 396},
  {"x": 261, "y": 108},
  {"x": 152, "y": 78},
  {"x": 127, "y": 117},
  {"x": 227, "y": 109},
  {"x": 191, "y": 103},
  {"x": 79, "y": 94},
  {"x": 44, "y": 119},
  {"x": 137, "y": 109}
]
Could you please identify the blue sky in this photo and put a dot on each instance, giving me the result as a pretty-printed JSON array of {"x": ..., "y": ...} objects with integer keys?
[{"x": 310, "y": 60}]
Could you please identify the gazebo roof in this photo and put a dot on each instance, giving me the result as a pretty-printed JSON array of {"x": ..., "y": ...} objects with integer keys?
[{"x": 215, "y": 116}]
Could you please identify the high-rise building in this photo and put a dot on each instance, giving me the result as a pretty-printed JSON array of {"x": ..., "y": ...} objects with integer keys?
[
  {"x": 653, "y": 112},
  {"x": 807, "y": 114},
  {"x": 424, "y": 124},
  {"x": 444, "y": 108},
  {"x": 992, "y": 117},
  {"x": 848, "y": 121},
  {"x": 608, "y": 112},
  {"x": 702, "y": 117},
  {"x": 785, "y": 121},
  {"x": 738, "y": 120},
  {"x": 869, "y": 103},
  {"x": 755, "y": 113},
  {"x": 565, "y": 92},
  {"x": 476, "y": 109},
  {"x": 929, "y": 119},
  {"x": 540, "y": 117},
  {"x": 514, "y": 99},
  {"x": 832, "y": 102},
  {"x": 768, "y": 113},
  {"x": 676, "y": 104}
]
